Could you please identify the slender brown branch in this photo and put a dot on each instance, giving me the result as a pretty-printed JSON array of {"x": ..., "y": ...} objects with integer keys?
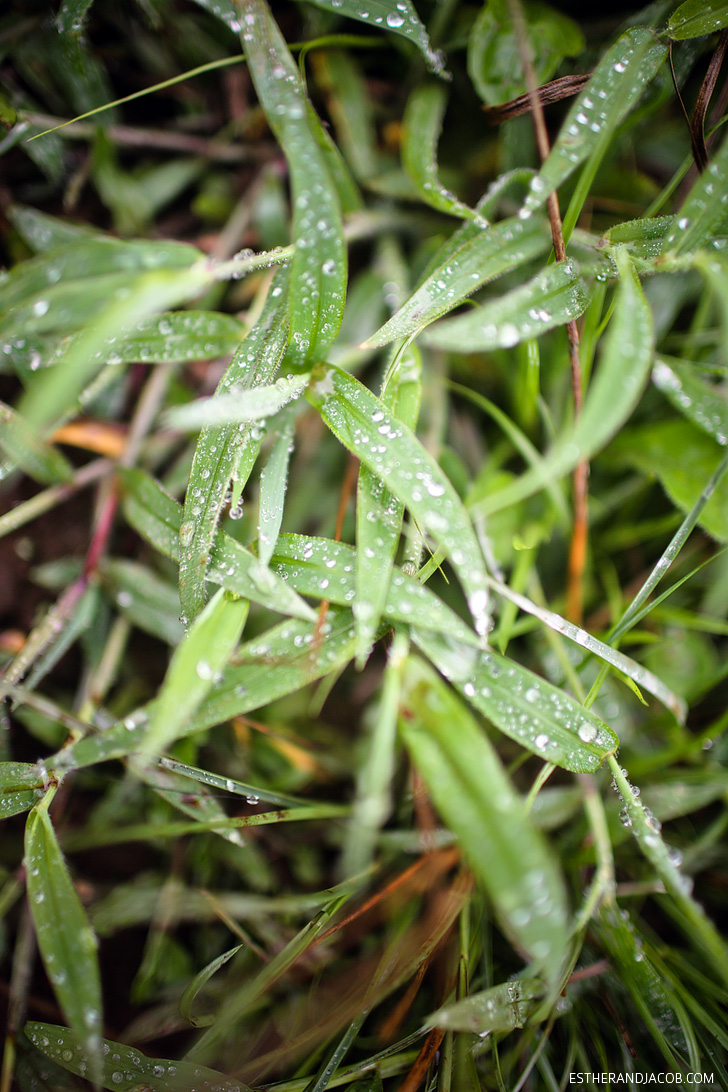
[
  {"x": 697, "y": 123},
  {"x": 578, "y": 548},
  {"x": 554, "y": 91}
]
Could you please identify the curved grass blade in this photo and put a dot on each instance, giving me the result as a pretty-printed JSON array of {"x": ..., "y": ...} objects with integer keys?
[
  {"x": 379, "y": 513},
  {"x": 158, "y": 518},
  {"x": 237, "y": 406},
  {"x": 421, "y": 127},
  {"x": 481, "y": 258},
  {"x": 123, "y": 1068},
  {"x": 398, "y": 16},
  {"x": 66, "y": 941},
  {"x": 325, "y": 569},
  {"x": 221, "y": 450},
  {"x": 494, "y": 1011},
  {"x": 522, "y": 705},
  {"x": 318, "y": 274},
  {"x": 610, "y": 400},
  {"x": 551, "y": 298},
  {"x": 203, "y": 653},
  {"x": 201, "y": 978},
  {"x": 26, "y": 448},
  {"x": 252, "y": 793},
  {"x": 21, "y": 785},
  {"x": 617, "y": 83},
  {"x": 706, "y": 406},
  {"x": 273, "y": 484},
  {"x": 694, "y": 18},
  {"x": 704, "y": 209},
  {"x": 476, "y": 799},
  {"x": 393, "y": 453}
]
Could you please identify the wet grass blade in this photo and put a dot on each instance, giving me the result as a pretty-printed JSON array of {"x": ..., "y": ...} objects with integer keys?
[
  {"x": 552, "y": 298},
  {"x": 533, "y": 712},
  {"x": 495, "y": 1011},
  {"x": 221, "y": 450},
  {"x": 197, "y": 661},
  {"x": 273, "y": 485},
  {"x": 237, "y": 407},
  {"x": 616, "y": 85},
  {"x": 703, "y": 210},
  {"x": 66, "y": 940},
  {"x": 476, "y": 799},
  {"x": 422, "y": 124},
  {"x": 398, "y": 16},
  {"x": 379, "y": 513},
  {"x": 484, "y": 256},
  {"x": 123, "y": 1068},
  {"x": 21, "y": 784},
  {"x": 703, "y": 404},
  {"x": 318, "y": 273},
  {"x": 694, "y": 18},
  {"x": 393, "y": 453},
  {"x": 25, "y": 448}
]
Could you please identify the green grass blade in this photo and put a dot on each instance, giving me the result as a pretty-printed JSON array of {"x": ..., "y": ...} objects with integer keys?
[
  {"x": 21, "y": 784},
  {"x": 617, "y": 83},
  {"x": 695, "y": 18},
  {"x": 487, "y": 255},
  {"x": 702, "y": 403},
  {"x": 123, "y": 1068},
  {"x": 231, "y": 785},
  {"x": 611, "y": 398},
  {"x": 398, "y": 16},
  {"x": 202, "y": 655},
  {"x": 421, "y": 126},
  {"x": 703, "y": 210},
  {"x": 552, "y": 298},
  {"x": 238, "y": 406},
  {"x": 201, "y": 978},
  {"x": 220, "y": 450},
  {"x": 318, "y": 273},
  {"x": 25, "y": 447},
  {"x": 533, "y": 712},
  {"x": 273, "y": 485},
  {"x": 494, "y": 1011},
  {"x": 158, "y": 518},
  {"x": 362, "y": 423},
  {"x": 475, "y": 797},
  {"x": 379, "y": 513},
  {"x": 144, "y": 598},
  {"x": 65, "y": 939}
]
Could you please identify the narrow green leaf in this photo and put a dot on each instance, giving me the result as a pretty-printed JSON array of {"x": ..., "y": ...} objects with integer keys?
[
  {"x": 66, "y": 941},
  {"x": 421, "y": 128},
  {"x": 72, "y": 16},
  {"x": 21, "y": 784},
  {"x": 697, "y": 17},
  {"x": 481, "y": 258},
  {"x": 211, "y": 640},
  {"x": 144, "y": 598},
  {"x": 703, "y": 210},
  {"x": 221, "y": 450},
  {"x": 43, "y": 232},
  {"x": 552, "y": 298},
  {"x": 158, "y": 518},
  {"x": 201, "y": 978},
  {"x": 238, "y": 406},
  {"x": 363, "y": 424},
  {"x": 318, "y": 274},
  {"x": 26, "y": 448},
  {"x": 252, "y": 793},
  {"x": 476, "y": 799},
  {"x": 703, "y": 404},
  {"x": 494, "y": 1011},
  {"x": 398, "y": 16},
  {"x": 123, "y": 1068},
  {"x": 325, "y": 569},
  {"x": 169, "y": 338},
  {"x": 611, "y": 398},
  {"x": 379, "y": 513},
  {"x": 273, "y": 484},
  {"x": 616, "y": 84},
  {"x": 533, "y": 712}
]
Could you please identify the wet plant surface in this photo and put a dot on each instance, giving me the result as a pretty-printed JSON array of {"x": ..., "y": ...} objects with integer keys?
[{"x": 364, "y": 588}]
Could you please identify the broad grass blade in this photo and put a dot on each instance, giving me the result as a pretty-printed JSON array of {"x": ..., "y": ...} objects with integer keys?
[
  {"x": 123, "y": 1067},
  {"x": 176, "y": 336},
  {"x": 221, "y": 450},
  {"x": 695, "y": 18},
  {"x": 318, "y": 275},
  {"x": 158, "y": 518},
  {"x": 616, "y": 85},
  {"x": 21, "y": 785},
  {"x": 484, "y": 256},
  {"x": 476, "y": 799},
  {"x": 43, "y": 232},
  {"x": 495, "y": 1011},
  {"x": 25, "y": 447},
  {"x": 422, "y": 124},
  {"x": 379, "y": 513},
  {"x": 611, "y": 398},
  {"x": 237, "y": 407},
  {"x": 704, "y": 209},
  {"x": 197, "y": 661},
  {"x": 533, "y": 712},
  {"x": 66, "y": 941},
  {"x": 702, "y": 403},
  {"x": 393, "y": 453},
  {"x": 398, "y": 16},
  {"x": 552, "y": 298}
]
